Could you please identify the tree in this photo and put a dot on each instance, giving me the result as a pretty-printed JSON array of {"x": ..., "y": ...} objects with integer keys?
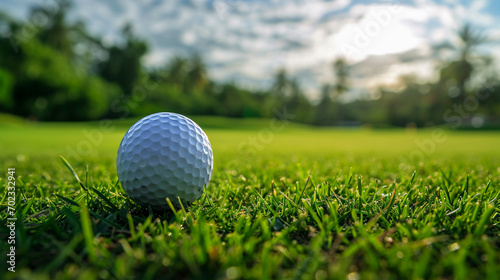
[
  {"x": 48, "y": 87},
  {"x": 278, "y": 93},
  {"x": 177, "y": 70},
  {"x": 461, "y": 69},
  {"x": 56, "y": 33},
  {"x": 281, "y": 85},
  {"x": 297, "y": 103},
  {"x": 323, "y": 109},
  {"x": 341, "y": 70},
  {"x": 197, "y": 74},
  {"x": 340, "y": 87},
  {"x": 123, "y": 65}
]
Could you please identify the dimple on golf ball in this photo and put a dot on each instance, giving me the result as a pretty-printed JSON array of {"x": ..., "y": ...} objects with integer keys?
[{"x": 164, "y": 155}]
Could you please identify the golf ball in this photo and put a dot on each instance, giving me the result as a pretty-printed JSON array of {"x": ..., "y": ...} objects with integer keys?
[{"x": 164, "y": 155}]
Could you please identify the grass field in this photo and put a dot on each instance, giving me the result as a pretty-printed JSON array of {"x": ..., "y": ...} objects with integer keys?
[{"x": 285, "y": 201}]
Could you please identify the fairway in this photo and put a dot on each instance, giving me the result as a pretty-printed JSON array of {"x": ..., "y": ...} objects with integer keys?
[
  {"x": 285, "y": 201},
  {"x": 234, "y": 139}
]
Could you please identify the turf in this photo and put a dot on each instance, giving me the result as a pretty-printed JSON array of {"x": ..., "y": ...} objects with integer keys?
[{"x": 285, "y": 201}]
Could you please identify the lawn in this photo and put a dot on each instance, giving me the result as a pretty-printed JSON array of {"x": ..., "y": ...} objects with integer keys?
[{"x": 285, "y": 201}]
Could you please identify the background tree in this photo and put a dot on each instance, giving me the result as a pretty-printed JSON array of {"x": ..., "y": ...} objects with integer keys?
[
  {"x": 278, "y": 93},
  {"x": 42, "y": 81},
  {"x": 324, "y": 109},
  {"x": 341, "y": 71},
  {"x": 56, "y": 31},
  {"x": 340, "y": 88},
  {"x": 123, "y": 65},
  {"x": 197, "y": 73},
  {"x": 460, "y": 70},
  {"x": 281, "y": 85}
]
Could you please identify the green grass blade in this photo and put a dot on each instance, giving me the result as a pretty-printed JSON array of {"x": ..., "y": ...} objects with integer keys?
[
  {"x": 70, "y": 168},
  {"x": 67, "y": 200},
  {"x": 106, "y": 199},
  {"x": 88, "y": 233}
]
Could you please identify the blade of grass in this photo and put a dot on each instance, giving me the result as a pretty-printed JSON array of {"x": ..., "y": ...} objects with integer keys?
[
  {"x": 87, "y": 231},
  {"x": 304, "y": 189},
  {"x": 103, "y": 197},
  {"x": 70, "y": 168},
  {"x": 67, "y": 200}
]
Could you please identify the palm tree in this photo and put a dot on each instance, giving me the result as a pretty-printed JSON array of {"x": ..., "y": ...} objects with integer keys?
[
  {"x": 197, "y": 74},
  {"x": 281, "y": 84},
  {"x": 341, "y": 86},
  {"x": 469, "y": 39},
  {"x": 341, "y": 70},
  {"x": 123, "y": 65},
  {"x": 461, "y": 69}
]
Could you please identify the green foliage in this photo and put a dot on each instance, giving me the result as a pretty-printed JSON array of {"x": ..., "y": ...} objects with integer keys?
[
  {"x": 123, "y": 65},
  {"x": 49, "y": 82},
  {"x": 6, "y": 82},
  {"x": 48, "y": 87},
  {"x": 56, "y": 32}
]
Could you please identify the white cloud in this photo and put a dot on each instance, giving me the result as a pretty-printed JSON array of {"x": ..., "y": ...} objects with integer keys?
[{"x": 478, "y": 5}]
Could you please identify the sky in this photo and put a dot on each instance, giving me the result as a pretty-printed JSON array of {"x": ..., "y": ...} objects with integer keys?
[{"x": 248, "y": 41}]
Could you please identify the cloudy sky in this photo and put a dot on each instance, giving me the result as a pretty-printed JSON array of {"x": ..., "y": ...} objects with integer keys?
[{"x": 248, "y": 41}]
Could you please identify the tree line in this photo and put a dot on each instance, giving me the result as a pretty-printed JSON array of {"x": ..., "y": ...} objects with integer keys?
[{"x": 53, "y": 70}]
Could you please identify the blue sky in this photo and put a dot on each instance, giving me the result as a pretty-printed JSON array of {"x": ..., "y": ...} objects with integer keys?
[{"x": 247, "y": 41}]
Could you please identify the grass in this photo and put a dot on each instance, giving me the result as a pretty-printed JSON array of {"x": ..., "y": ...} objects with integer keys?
[{"x": 284, "y": 202}]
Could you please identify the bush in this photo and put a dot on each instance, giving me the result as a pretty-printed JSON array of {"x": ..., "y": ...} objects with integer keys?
[{"x": 50, "y": 87}]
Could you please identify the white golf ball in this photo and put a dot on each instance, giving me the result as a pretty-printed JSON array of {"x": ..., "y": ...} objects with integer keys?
[{"x": 164, "y": 155}]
